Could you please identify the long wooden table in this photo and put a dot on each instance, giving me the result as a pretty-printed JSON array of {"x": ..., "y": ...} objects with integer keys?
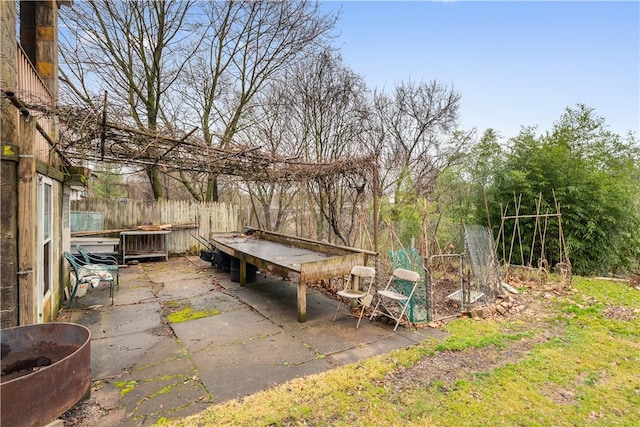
[{"x": 290, "y": 257}]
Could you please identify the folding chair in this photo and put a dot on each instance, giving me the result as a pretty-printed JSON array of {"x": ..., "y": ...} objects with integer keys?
[
  {"x": 87, "y": 273},
  {"x": 357, "y": 290},
  {"x": 109, "y": 262},
  {"x": 390, "y": 299}
]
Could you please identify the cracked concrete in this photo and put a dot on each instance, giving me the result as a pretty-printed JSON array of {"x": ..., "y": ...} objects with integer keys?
[{"x": 145, "y": 368}]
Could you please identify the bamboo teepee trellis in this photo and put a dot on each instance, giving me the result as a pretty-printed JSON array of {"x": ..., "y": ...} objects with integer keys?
[{"x": 538, "y": 258}]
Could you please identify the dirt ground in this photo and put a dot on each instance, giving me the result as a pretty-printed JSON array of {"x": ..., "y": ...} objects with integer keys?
[{"x": 446, "y": 367}]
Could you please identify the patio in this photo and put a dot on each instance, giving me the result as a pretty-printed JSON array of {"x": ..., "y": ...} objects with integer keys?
[{"x": 145, "y": 368}]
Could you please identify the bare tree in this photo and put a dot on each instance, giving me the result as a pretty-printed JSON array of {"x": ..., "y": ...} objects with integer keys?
[
  {"x": 247, "y": 45},
  {"x": 329, "y": 110},
  {"x": 135, "y": 50},
  {"x": 271, "y": 201},
  {"x": 416, "y": 134},
  {"x": 316, "y": 115}
]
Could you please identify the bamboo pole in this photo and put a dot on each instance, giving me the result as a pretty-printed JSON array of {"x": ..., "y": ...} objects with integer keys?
[{"x": 535, "y": 229}]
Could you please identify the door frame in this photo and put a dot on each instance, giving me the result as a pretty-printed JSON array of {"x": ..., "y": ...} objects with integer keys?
[{"x": 45, "y": 209}]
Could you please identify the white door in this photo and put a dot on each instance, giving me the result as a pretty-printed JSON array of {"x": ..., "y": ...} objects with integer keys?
[{"x": 45, "y": 245}]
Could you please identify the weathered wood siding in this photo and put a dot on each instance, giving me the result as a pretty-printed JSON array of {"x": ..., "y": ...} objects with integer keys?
[
  {"x": 208, "y": 218},
  {"x": 31, "y": 91}
]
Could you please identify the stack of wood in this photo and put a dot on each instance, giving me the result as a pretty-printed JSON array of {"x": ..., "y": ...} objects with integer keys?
[
  {"x": 154, "y": 227},
  {"x": 151, "y": 227}
]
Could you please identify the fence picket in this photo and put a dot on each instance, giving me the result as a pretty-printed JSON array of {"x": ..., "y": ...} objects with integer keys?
[{"x": 208, "y": 217}]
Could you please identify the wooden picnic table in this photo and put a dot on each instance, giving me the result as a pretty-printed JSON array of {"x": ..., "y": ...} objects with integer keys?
[{"x": 290, "y": 257}]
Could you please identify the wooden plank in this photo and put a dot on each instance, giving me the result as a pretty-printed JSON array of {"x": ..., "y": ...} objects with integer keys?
[
  {"x": 314, "y": 245},
  {"x": 154, "y": 227},
  {"x": 27, "y": 216},
  {"x": 302, "y": 302},
  {"x": 98, "y": 232},
  {"x": 243, "y": 271},
  {"x": 172, "y": 227},
  {"x": 329, "y": 268},
  {"x": 9, "y": 232},
  {"x": 49, "y": 170}
]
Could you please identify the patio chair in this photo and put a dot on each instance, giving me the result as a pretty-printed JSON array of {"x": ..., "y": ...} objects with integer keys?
[
  {"x": 88, "y": 274},
  {"x": 390, "y": 299},
  {"x": 109, "y": 262},
  {"x": 357, "y": 290}
]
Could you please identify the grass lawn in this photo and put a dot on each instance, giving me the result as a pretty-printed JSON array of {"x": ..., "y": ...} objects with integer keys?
[{"x": 575, "y": 361}]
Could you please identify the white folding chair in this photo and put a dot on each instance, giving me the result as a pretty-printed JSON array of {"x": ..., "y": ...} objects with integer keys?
[
  {"x": 390, "y": 300},
  {"x": 357, "y": 290}
]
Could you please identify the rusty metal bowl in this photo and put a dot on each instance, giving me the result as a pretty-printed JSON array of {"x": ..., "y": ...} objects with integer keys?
[{"x": 46, "y": 370}]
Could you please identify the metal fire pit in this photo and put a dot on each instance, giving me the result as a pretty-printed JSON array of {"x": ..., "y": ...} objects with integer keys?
[{"x": 46, "y": 370}]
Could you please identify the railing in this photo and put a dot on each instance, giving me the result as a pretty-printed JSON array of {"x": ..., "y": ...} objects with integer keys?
[{"x": 32, "y": 92}]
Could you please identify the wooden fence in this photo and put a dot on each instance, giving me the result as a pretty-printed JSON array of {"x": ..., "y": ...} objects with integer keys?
[{"x": 186, "y": 217}]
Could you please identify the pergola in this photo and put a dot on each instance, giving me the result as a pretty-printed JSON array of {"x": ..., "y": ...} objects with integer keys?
[{"x": 86, "y": 135}]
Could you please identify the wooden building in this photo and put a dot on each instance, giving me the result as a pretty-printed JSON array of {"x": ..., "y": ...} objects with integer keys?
[{"x": 35, "y": 196}]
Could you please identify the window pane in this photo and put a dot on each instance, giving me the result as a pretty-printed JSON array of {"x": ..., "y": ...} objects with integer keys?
[
  {"x": 47, "y": 212},
  {"x": 46, "y": 274}
]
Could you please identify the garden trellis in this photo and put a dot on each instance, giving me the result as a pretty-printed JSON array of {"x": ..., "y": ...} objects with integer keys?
[{"x": 538, "y": 256}]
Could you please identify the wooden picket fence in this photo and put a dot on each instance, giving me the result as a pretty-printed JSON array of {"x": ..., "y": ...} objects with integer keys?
[{"x": 187, "y": 218}]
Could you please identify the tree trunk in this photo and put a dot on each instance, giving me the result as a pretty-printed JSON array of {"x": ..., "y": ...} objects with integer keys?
[
  {"x": 156, "y": 182},
  {"x": 212, "y": 188}
]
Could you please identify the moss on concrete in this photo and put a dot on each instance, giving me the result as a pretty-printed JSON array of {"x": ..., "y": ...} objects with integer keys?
[
  {"x": 189, "y": 313},
  {"x": 125, "y": 386}
]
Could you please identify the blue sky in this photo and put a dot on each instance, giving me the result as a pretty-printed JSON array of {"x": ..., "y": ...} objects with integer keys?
[{"x": 514, "y": 63}]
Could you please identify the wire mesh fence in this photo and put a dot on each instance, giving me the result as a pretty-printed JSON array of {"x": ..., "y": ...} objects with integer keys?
[
  {"x": 452, "y": 282},
  {"x": 409, "y": 259},
  {"x": 485, "y": 281},
  {"x": 447, "y": 279}
]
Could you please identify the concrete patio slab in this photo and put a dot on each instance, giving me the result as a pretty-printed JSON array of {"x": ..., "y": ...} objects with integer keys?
[
  {"x": 223, "y": 329},
  {"x": 115, "y": 320},
  {"x": 135, "y": 295},
  {"x": 216, "y": 301},
  {"x": 244, "y": 368},
  {"x": 187, "y": 288},
  {"x": 114, "y": 355},
  {"x": 254, "y": 342}
]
